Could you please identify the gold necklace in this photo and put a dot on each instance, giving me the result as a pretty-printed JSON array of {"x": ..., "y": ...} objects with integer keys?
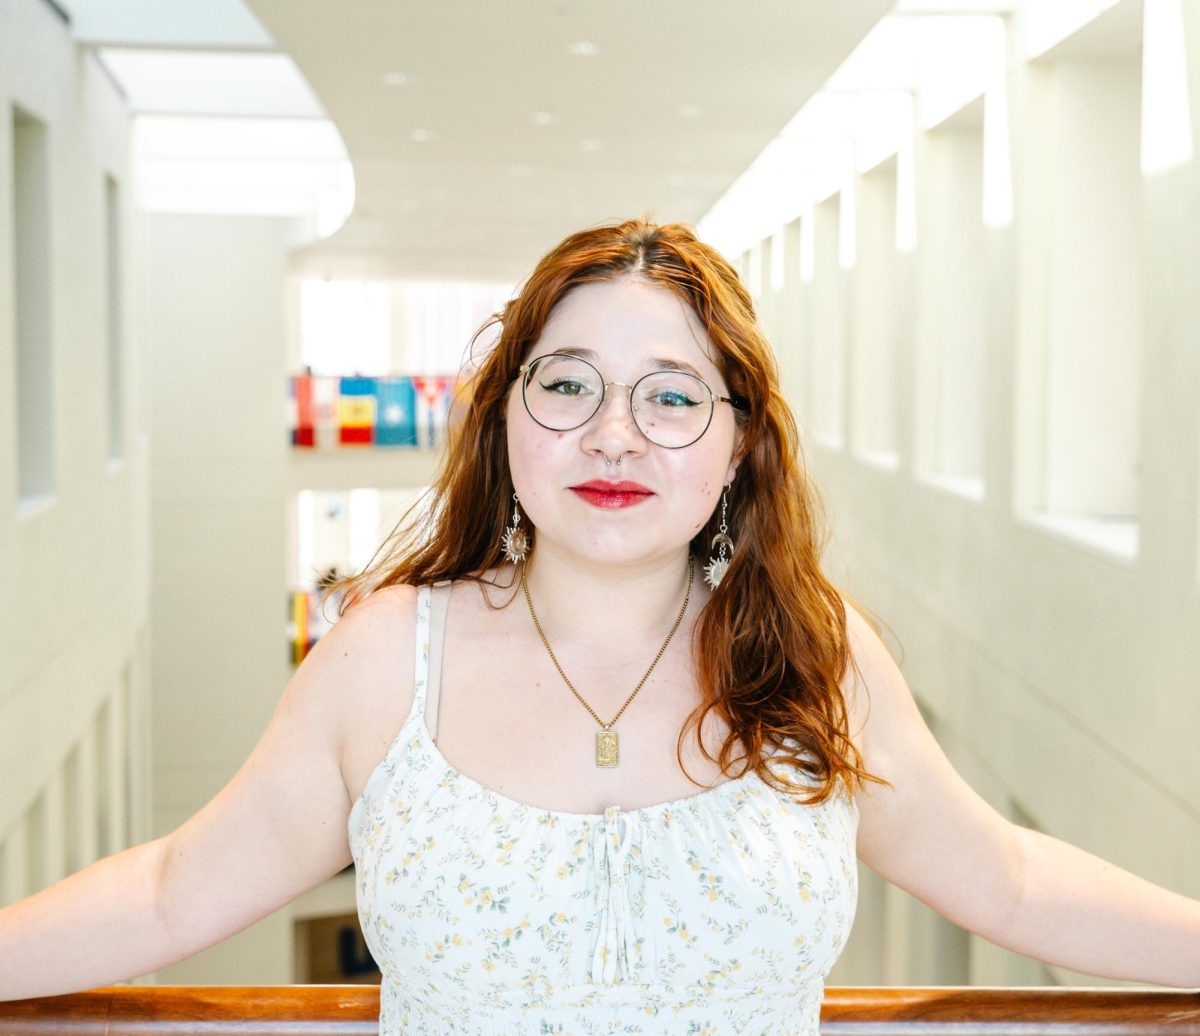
[{"x": 607, "y": 748}]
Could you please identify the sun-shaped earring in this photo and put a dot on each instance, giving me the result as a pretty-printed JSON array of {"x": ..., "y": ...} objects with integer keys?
[
  {"x": 722, "y": 548},
  {"x": 514, "y": 541}
]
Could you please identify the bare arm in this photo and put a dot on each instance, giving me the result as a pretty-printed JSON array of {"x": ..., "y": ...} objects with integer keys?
[
  {"x": 934, "y": 837},
  {"x": 94, "y": 928},
  {"x": 275, "y": 830}
]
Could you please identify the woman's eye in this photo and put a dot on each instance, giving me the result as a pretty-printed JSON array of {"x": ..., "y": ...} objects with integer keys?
[
  {"x": 566, "y": 387},
  {"x": 667, "y": 398}
]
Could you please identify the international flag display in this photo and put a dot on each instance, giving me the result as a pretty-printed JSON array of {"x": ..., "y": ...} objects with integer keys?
[{"x": 398, "y": 410}]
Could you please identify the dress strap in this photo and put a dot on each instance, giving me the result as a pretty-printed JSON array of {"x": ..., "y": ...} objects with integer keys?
[
  {"x": 439, "y": 604},
  {"x": 421, "y": 654}
]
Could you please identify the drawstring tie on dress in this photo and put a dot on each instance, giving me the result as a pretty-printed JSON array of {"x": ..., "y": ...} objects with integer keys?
[{"x": 615, "y": 954}]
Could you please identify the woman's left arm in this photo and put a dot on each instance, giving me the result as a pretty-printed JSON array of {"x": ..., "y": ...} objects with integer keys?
[{"x": 934, "y": 837}]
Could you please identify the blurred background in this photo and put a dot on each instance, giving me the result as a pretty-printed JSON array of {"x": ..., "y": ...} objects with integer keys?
[{"x": 244, "y": 245}]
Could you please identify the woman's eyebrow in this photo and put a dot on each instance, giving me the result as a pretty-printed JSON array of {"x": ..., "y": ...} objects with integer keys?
[
  {"x": 657, "y": 362},
  {"x": 674, "y": 365}
]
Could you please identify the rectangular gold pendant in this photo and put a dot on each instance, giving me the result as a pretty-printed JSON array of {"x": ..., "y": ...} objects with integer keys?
[{"x": 607, "y": 753}]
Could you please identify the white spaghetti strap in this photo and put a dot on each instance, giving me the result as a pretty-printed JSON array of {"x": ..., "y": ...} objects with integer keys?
[
  {"x": 439, "y": 604},
  {"x": 421, "y": 665}
]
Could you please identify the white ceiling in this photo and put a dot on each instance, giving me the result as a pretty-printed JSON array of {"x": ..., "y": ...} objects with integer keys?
[
  {"x": 179, "y": 81},
  {"x": 198, "y": 24},
  {"x": 496, "y": 140}
]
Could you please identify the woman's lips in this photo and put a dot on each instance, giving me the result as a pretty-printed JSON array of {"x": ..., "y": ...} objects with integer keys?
[{"x": 612, "y": 495}]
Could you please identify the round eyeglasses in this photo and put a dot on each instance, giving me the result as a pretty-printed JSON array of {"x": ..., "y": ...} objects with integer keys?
[{"x": 671, "y": 408}]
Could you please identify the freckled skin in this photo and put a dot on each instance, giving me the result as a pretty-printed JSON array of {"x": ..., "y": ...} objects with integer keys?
[{"x": 627, "y": 322}]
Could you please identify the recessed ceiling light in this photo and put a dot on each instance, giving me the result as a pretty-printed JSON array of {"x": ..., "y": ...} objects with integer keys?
[
  {"x": 583, "y": 49},
  {"x": 542, "y": 118},
  {"x": 420, "y": 136},
  {"x": 396, "y": 79},
  {"x": 591, "y": 144},
  {"x": 690, "y": 111}
]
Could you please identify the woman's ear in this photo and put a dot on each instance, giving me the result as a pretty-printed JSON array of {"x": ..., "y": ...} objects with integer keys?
[{"x": 737, "y": 456}]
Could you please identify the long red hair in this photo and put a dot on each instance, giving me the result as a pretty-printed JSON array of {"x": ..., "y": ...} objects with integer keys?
[{"x": 771, "y": 645}]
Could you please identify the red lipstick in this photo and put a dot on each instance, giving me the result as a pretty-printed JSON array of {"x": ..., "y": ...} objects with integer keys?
[{"x": 612, "y": 495}]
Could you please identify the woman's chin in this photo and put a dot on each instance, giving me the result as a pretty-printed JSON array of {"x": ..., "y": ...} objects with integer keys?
[{"x": 621, "y": 552}]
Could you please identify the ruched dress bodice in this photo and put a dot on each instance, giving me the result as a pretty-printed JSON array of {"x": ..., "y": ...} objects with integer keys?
[{"x": 719, "y": 913}]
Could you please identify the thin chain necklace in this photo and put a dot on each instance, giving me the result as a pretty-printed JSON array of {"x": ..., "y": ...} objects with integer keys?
[{"x": 607, "y": 748}]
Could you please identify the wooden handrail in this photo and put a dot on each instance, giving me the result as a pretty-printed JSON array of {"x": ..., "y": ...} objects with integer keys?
[
  {"x": 1020, "y": 1011},
  {"x": 211, "y": 1010},
  {"x": 847, "y": 1010}
]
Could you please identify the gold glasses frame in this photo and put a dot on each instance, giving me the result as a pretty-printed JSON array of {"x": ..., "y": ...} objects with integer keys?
[{"x": 526, "y": 369}]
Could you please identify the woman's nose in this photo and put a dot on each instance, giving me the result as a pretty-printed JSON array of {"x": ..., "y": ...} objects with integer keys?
[
  {"x": 618, "y": 404},
  {"x": 615, "y": 399},
  {"x": 615, "y": 418}
]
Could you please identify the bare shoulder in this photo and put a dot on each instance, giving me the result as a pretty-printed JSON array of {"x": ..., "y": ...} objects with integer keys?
[
  {"x": 873, "y": 686},
  {"x": 371, "y": 638},
  {"x": 364, "y": 667}
]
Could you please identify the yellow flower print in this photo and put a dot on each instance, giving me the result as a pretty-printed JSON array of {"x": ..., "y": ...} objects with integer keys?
[
  {"x": 437, "y": 949},
  {"x": 532, "y": 978},
  {"x": 680, "y": 928},
  {"x": 488, "y": 898}
]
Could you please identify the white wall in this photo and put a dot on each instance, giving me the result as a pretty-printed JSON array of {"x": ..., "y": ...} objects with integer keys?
[
  {"x": 1059, "y": 668},
  {"x": 224, "y": 488},
  {"x": 1059, "y": 674},
  {"x": 73, "y": 623},
  {"x": 214, "y": 296}
]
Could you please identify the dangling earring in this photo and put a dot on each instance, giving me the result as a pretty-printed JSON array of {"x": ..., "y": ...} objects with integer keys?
[
  {"x": 514, "y": 541},
  {"x": 722, "y": 548}
]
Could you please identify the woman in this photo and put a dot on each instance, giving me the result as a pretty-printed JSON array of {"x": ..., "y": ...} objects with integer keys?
[{"x": 611, "y": 600}]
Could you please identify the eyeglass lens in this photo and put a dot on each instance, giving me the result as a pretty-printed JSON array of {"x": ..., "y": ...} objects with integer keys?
[{"x": 670, "y": 408}]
